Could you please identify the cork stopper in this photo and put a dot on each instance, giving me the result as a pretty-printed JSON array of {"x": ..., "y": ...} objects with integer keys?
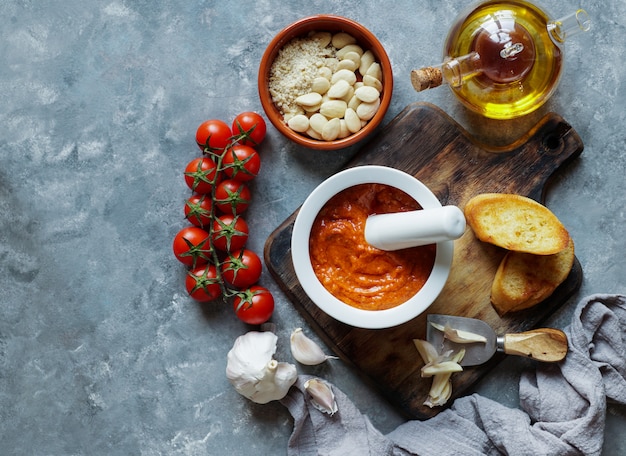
[{"x": 426, "y": 78}]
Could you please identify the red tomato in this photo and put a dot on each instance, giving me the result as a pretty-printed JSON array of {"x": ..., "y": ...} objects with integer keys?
[
  {"x": 249, "y": 128},
  {"x": 198, "y": 210},
  {"x": 254, "y": 305},
  {"x": 241, "y": 162},
  {"x": 201, "y": 174},
  {"x": 202, "y": 283},
  {"x": 230, "y": 233},
  {"x": 242, "y": 268},
  {"x": 212, "y": 136},
  {"x": 192, "y": 247},
  {"x": 232, "y": 196}
]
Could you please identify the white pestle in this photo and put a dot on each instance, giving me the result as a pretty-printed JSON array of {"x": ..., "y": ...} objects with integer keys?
[{"x": 401, "y": 230}]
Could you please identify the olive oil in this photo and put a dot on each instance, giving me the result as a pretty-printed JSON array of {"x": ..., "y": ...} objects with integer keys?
[{"x": 517, "y": 63}]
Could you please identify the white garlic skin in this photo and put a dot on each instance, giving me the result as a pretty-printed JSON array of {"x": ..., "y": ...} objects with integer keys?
[
  {"x": 254, "y": 373},
  {"x": 305, "y": 350}
]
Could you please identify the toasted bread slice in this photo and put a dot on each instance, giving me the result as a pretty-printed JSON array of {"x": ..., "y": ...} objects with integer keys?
[
  {"x": 524, "y": 279},
  {"x": 516, "y": 223}
]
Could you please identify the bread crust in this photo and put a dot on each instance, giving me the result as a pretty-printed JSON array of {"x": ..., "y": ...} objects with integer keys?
[
  {"x": 516, "y": 223},
  {"x": 523, "y": 280}
]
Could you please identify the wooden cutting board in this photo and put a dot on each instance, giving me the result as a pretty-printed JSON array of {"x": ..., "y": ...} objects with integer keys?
[{"x": 425, "y": 142}]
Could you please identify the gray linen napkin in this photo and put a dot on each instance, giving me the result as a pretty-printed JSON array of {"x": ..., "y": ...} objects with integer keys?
[{"x": 562, "y": 406}]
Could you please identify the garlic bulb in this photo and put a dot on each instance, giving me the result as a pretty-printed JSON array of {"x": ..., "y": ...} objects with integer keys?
[
  {"x": 305, "y": 350},
  {"x": 254, "y": 373},
  {"x": 322, "y": 396}
]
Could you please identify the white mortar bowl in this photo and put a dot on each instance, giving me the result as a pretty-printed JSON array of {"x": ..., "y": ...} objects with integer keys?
[{"x": 345, "y": 313}]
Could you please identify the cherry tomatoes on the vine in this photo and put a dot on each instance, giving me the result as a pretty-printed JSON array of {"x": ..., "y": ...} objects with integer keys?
[
  {"x": 212, "y": 136},
  {"x": 192, "y": 246},
  {"x": 230, "y": 233},
  {"x": 242, "y": 268},
  {"x": 232, "y": 196},
  {"x": 249, "y": 128},
  {"x": 254, "y": 305},
  {"x": 201, "y": 174},
  {"x": 198, "y": 210},
  {"x": 202, "y": 283},
  {"x": 241, "y": 162}
]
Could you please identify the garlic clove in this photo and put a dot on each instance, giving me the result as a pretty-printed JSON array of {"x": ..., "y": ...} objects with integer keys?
[
  {"x": 457, "y": 357},
  {"x": 426, "y": 350},
  {"x": 440, "y": 391},
  {"x": 445, "y": 367},
  {"x": 322, "y": 396},
  {"x": 305, "y": 350},
  {"x": 441, "y": 387},
  {"x": 458, "y": 335}
]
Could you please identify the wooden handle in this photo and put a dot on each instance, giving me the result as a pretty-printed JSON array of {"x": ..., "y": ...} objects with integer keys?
[{"x": 545, "y": 344}]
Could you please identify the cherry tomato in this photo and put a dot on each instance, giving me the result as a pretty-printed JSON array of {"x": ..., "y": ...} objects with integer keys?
[
  {"x": 241, "y": 162},
  {"x": 201, "y": 174},
  {"x": 249, "y": 128},
  {"x": 202, "y": 283},
  {"x": 213, "y": 136},
  {"x": 230, "y": 233},
  {"x": 192, "y": 247},
  {"x": 242, "y": 268},
  {"x": 254, "y": 305},
  {"x": 198, "y": 210},
  {"x": 232, "y": 196}
]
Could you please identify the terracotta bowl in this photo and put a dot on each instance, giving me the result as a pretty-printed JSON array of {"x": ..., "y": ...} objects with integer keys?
[
  {"x": 369, "y": 319},
  {"x": 321, "y": 23}
]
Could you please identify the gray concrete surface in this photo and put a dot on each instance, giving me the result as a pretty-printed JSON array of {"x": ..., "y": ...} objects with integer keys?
[{"x": 101, "y": 351}]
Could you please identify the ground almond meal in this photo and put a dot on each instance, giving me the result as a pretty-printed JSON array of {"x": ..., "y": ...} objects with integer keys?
[{"x": 294, "y": 69}]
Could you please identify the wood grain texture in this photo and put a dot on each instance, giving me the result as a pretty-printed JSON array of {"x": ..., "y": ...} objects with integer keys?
[{"x": 425, "y": 142}]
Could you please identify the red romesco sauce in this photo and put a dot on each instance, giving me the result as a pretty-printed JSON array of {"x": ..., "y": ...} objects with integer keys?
[{"x": 352, "y": 270}]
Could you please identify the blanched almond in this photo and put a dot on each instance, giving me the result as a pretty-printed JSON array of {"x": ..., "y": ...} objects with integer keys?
[
  {"x": 342, "y": 39},
  {"x": 317, "y": 122},
  {"x": 347, "y": 64},
  {"x": 313, "y": 134},
  {"x": 299, "y": 123},
  {"x": 345, "y": 75},
  {"x": 320, "y": 85},
  {"x": 375, "y": 71},
  {"x": 344, "y": 133},
  {"x": 354, "y": 102},
  {"x": 312, "y": 109},
  {"x": 349, "y": 48},
  {"x": 366, "y": 111},
  {"x": 325, "y": 72},
  {"x": 331, "y": 129},
  {"x": 353, "y": 56},
  {"x": 310, "y": 99},
  {"x": 367, "y": 94},
  {"x": 366, "y": 60},
  {"x": 353, "y": 122},
  {"x": 324, "y": 38},
  {"x": 333, "y": 108},
  {"x": 373, "y": 82},
  {"x": 349, "y": 94},
  {"x": 339, "y": 89}
]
